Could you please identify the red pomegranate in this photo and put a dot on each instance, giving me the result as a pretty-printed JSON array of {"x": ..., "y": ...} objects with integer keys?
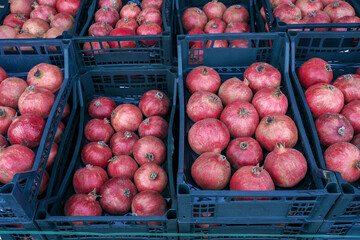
[
  {"x": 130, "y": 10},
  {"x": 3, "y": 141},
  {"x": 11, "y": 90},
  {"x": 287, "y": 11},
  {"x": 203, "y": 78},
  {"x": 101, "y": 107},
  {"x": 236, "y": 13},
  {"x": 100, "y": 29},
  {"x": 3, "y": 74},
  {"x": 275, "y": 3},
  {"x": 95, "y": 48},
  {"x": 127, "y": 23},
  {"x": 51, "y": 3},
  {"x": 238, "y": 43},
  {"x": 46, "y": 76},
  {"x": 211, "y": 171},
  {"x": 7, "y": 32},
  {"x": 352, "y": 112},
  {"x": 346, "y": 19},
  {"x": 270, "y": 101},
  {"x": 314, "y": 70},
  {"x": 122, "y": 166},
  {"x": 154, "y": 126},
  {"x": 349, "y": 85},
  {"x": 21, "y": 7},
  {"x": 116, "y": 4},
  {"x": 327, "y": 2},
  {"x": 237, "y": 27},
  {"x": 356, "y": 141},
  {"x": 262, "y": 75},
  {"x": 208, "y": 135},
  {"x": 317, "y": 17},
  {"x": 122, "y": 142},
  {"x": 122, "y": 32},
  {"x": 89, "y": 178},
  {"x": 149, "y": 28},
  {"x": 308, "y": 6},
  {"x": 25, "y": 35},
  {"x": 52, "y": 156},
  {"x": 82, "y": 205},
  {"x": 196, "y": 56},
  {"x": 214, "y": 9},
  {"x": 154, "y": 103},
  {"x": 203, "y": 105},
  {"x": 344, "y": 157},
  {"x": 215, "y": 25},
  {"x": 43, "y": 12},
  {"x": 98, "y": 130},
  {"x": 333, "y": 128},
  {"x": 59, "y": 132},
  {"x": 15, "y": 20},
  {"x": 244, "y": 151},
  {"x": 35, "y": 26},
  {"x": 193, "y": 18},
  {"x": 234, "y": 89},
  {"x": 6, "y": 114},
  {"x": 150, "y": 176},
  {"x": 339, "y": 9},
  {"x": 149, "y": 203},
  {"x": 126, "y": 117},
  {"x": 150, "y": 15},
  {"x": 66, "y": 111},
  {"x": 108, "y": 15},
  {"x": 149, "y": 149},
  {"x": 217, "y": 44},
  {"x": 63, "y": 21},
  {"x": 192, "y": 32},
  {"x": 68, "y": 6},
  {"x": 96, "y": 154},
  {"x": 53, "y": 33},
  {"x": 276, "y": 128},
  {"x": 157, "y": 4}
]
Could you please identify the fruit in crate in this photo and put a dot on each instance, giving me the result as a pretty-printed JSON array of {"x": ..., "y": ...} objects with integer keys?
[
  {"x": 122, "y": 142},
  {"x": 244, "y": 151},
  {"x": 88, "y": 179},
  {"x": 193, "y": 18},
  {"x": 262, "y": 75},
  {"x": 150, "y": 176},
  {"x": 82, "y": 205},
  {"x": 99, "y": 29},
  {"x": 149, "y": 203},
  {"x": 122, "y": 166},
  {"x": 101, "y": 107},
  {"x": 234, "y": 89},
  {"x": 314, "y": 70},
  {"x": 149, "y": 149},
  {"x": 62, "y": 21},
  {"x": 157, "y": 4},
  {"x": 98, "y": 130},
  {"x": 270, "y": 101},
  {"x": 154, "y": 126},
  {"x": 203, "y": 78},
  {"x": 203, "y": 105},
  {"x": 96, "y": 154},
  {"x": 43, "y": 12}
]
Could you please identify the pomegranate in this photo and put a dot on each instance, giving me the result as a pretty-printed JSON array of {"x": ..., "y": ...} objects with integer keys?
[
  {"x": 150, "y": 15},
  {"x": 217, "y": 44},
  {"x": 236, "y": 13},
  {"x": 346, "y": 19},
  {"x": 127, "y": 23},
  {"x": 343, "y": 157},
  {"x": 108, "y": 15},
  {"x": 294, "y": 21},
  {"x": 96, "y": 154},
  {"x": 51, "y": 3},
  {"x": 116, "y": 4},
  {"x": 122, "y": 32},
  {"x": 21, "y": 7},
  {"x": 317, "y": 17},
  {"x": 203, "y": 105},
  {"x": 100, "y": 29},
  {"x": 11, "y": 90},
  {"x": 30, "y": 99},
  {"x": 154, "y": 103},
  {"x": 98, "y": 130},
  {"x": 276, "y": 128},
  {"x": 44, "y": 183},
  {"x": 333, "y": 128},
  {"x": 234, "y": 89},
  {"x": 6, "y": 113},
  {"x": 193, "y": 18},
  {"x": 117, "y": 195},
  {"x": 35, "y": 26},
  {"x": 241, "y": 118},
  {"x": 154, "y": 126},
  {"x": 349, "y": 85},
  {"x": 59, "y": 132},
  {"x": 352, "y": 112},
  {"x": 126, "y": 117},
  {"x": 157, "y": 4},
  {"x": 149, "y": 149},
  {"x": 215, "y": 25},
  {"x": 46, "y": 76},
  {"x": 25, "y": 35},
  {"x": 149, "y": 203},
  {"x": 211, "y": 171},
  {"x": 308, "y": 6},
  {"x": 68, "y": 6},
  {"x": 15, "y": 20},
  {"x": 15, "y": 159},
  {"x": 122, "y": 142},
  {"x": 7, "y": 32},
  {"x": 314, "y": 70},
  {"x": 196, "y": 56},
  {"x": 3, "y": 74},
  {"x": 149, "y": 28},
  {"x": 130, "y": 10},
  {"x": 324, "y": 98},
  {"x": 53, "y": 33},
  {"x": 43, "y": 12},
  {"x": 63, "y": 21},
  {"x": 82, "y": 205},
  {"x": 3, "y": 141},
  {"x": 208, "y": 135},
  {"x": 358, "y": 71},
  {"x": 287, "y": 11},
  {"x": 203, "y": 78},
  {"x": 339, "y": 9},
  {"x": 122, "y": 166},
  {"x": 101, "y": 107},
  {"x": 95, "y": 48},
  {"x": 66, "y": 111},
  {"x": 244, "y": 151},
  {"x": 262, "y": 75},
  {"x": 270, "y": 101},
  {"x": 286, "y": 166},
  {"x": 52, "y": 156},
  {"x": 356, "y": 141},
  {"x": 251, "y": 178},
  {"x": 327, "y": 2},
  {"x": 89, "y": 178},
  {"x": 192, "y": 32},
  {"x": 214, "y": 9},
  {"x": 150, "y": 176},
  {"x": 275, "y": 3},
  {"x": 237, "y": 27}
]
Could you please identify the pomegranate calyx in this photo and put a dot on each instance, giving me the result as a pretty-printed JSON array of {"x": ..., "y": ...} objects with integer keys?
[
  {"x": 246, "y": 82},
  {"x": 238, "y": 6},
  {"x": 107, "y": 120},
  {"x": 20, "y": 16},
  {"x": 102, "y": 143},
  {"x": 126, "y": 20},
  {"x": 358, "y": 165},
  {"x": 222, "y": 157},
  {"x": 291, "y": 4},
  {"x": 243, "y": 112},
  {"x": 199, "y": 11},
  {"x": 214, "y": 1},
  {"x": 92, "y": 195},
  {"x": 126, "y": 192},
  {"x": 335, "y": 4},
  {"x": 113, "y": 159},
  {"x": 153, "y": 176},
  {"x": 328, "y": 67},
  {"x": 256, "y": 171},
  {"x": 348, "y": 77},
  {"x": 146, "y": 121},
  {"x": 244, "y": 145},
  {"x": 147, "y": 22},
  {"x": 280, "y": 146},
  {"x": 341, "y": 131},
  {"x": 149, "y": 157},
  {"x": 278, "y": 93},
  {"x": 2, "y": 112},
  {"x": 31, "y": 87},
  {"x": 127, "y": 134},
  {"x": 159, "y": 95},
  {"x": 88, "y": 165},
  {"x": 330, "y": 87},
  {"x": 269, "y": 119},
  {"x": 35, "y": 4},
  {"x": 97, "y": 103},
  {"x": 214, "y": 25},
  {"x": 205, "y": 71},
  {"x": 14, "y": 118},
  {"x": 133, "y": 4},
  {"x": 260, "y": 68},
  {"x": 213, "y": 99},
  {"x": 38, "y": 73}
]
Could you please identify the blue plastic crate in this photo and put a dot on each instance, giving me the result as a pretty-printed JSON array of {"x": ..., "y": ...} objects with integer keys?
[
  {"x": 124, "y": 86},
  {"x": 340, "y": 228},
  {"x": 342, "y": 52},
  {"x": 310, "y": 200}
]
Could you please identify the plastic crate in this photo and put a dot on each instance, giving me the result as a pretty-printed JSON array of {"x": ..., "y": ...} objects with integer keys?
[
  {"x": 340, "y": 228},
  {"x": 158, "y": 54},
  {"x": 124, "y": 86},
  {"x": 310, "y": 200},
  {"x": 275, "y": 25}
]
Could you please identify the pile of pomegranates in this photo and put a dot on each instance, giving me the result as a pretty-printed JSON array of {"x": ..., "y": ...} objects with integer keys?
[
  {"x": 312, "y": 12},
  {"x": 122, "y": 158},
  {"x": 336, "y": 109},
  {"x": 247, "y": 118},
  {"x": 39, "y": 18},
  {"x": 113, "y": 19},
  {"x": 216, "y": 18},
  {"x": 24, "y": 108}
]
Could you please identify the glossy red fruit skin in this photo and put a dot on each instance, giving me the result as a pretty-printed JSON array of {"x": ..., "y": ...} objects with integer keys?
[
  {"x": 208, "y": 135},
  {"x": 150, "y": 176},
  {"x": 339, "y": 9},
  {"x": 352, "y": 112},
  {"x": 270, "y": 101},
  {"x": 101, "y": 107},
  {"x": 344, "y": 157},
  {"x": 130, "y": 11},
  {"x": 211, "y": 171},
  {"x": 95, "y": 47},
  {"x": 276, "y": 128},
  {"x": 202, "y": 105},
  {"x": 63, "y": 21},
  {"x": 308, "y": 6},
  {"x": 154, "y": 126},
  {"x": 26, "y": 130},
  {"x": 89, "y": 178},
  {"x": 237, "y": 27},
  {"x": 251, "y": 178},
  {"x": 262, "y": 75},
  {"x": 43, "y": 12},
  {"x": 5, "y": 118},
  {"x": 286, "y": 166},
  {"x": 3, "y": 74},
  {"x": 126, "y": 117},
  {"x": 82, "y": 205},
  {"x": 59, "y": 132},
  {"x": 244, "y": 151},
  {"x": 15, "y": 20},
  {"x": 108, "y": 15},
  {"x": 46, "y": 76},
  {"x": 149, "y": 28},
  {"x": 333, "y": 128},
  {"x": 157, "y": 4},
  {"x": 35, "y": 26},
  {"x": 100, "y": 29},
  {"x": 192, "y": 32},
  {"x": 356, "y": 140},
  {"x": 214, "y": 9},
  {"x": 347, "y": 19},
  {"x": 122, "y": 166},
  {"x": 11, "y": 90},
  {"x": 349, "y": 85},
  {"x": 96, "y": 154},
  {"x": 98, "y": 130},
  {"x": 117, "y": 195},
  {"x": 234, "y": 89},
  {"x": 3, "y": 141},
  {"x": 116, "y": 4},
  {"x": 122, "y": 32},
  {"x": 203, "y": 79},
  {"x": 122, "y": 142},
  {"x": 287, "y": 11},
  {"x": 51, "y": 160},
  {"x": 215, "y": 25},
  {"x": 68, "y": 6},
  {"x": 236, "y": 13},
  {"x": 127, "y": 23},
  {"x": 193, "y": 18},
  {"x": 241, "y": 118},
  {"x": 317, "y": 17},
  {"x": 154, "y": 103},
  {"x": 150, "y": 15},
  {"x": 324, "y": 98},
  {"x": 149, "y": 149}
]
